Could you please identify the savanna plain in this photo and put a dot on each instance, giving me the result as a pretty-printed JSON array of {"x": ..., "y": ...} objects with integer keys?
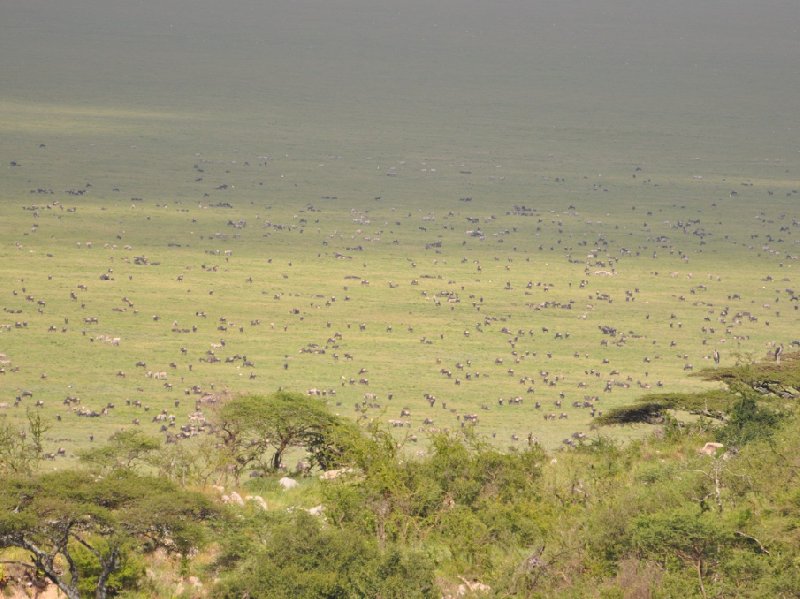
[{"x": 456, "y": 238}]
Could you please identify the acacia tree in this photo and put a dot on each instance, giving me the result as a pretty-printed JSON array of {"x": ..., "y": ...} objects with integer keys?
[
  {"x": 56, "y": 516},
  {"x": 748, "y": 386},
  {"x": 252, "y": 425}
]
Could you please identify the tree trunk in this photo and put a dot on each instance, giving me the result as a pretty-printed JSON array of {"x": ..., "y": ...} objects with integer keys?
[
  {"x": 109, "y": 566},
  {"x": 68, "y": 589},
  {"x": 44, "y": 562},
  {"x": 70, "y": 592},
  {"x": 699, "y": 565},
  {"x": 277, "y": 459}
]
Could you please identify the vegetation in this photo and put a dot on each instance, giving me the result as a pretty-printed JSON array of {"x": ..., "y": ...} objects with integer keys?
[
  {"x": 666, "y": 515},
  {"x": 79, "y": 530},
  {"x": 296, "y": 556},
  {"x": 21, "y": 446}
]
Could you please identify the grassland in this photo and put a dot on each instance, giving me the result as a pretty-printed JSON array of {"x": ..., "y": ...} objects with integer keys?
[{"x": 662, "y": 206}]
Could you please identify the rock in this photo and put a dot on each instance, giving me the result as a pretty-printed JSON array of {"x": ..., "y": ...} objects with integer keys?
[
  {"x": 316, "y": 510},
  {"x": 469, "y": 587},
  {"x": 711, "y": 448},
  {"x": 288, "y": 483},
  {"x": 334, "y": 474},
  {"x": 236, "y": 499},
  {"x": 258, "y": 500}
]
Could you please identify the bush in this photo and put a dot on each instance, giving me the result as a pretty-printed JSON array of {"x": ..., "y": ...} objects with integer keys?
[
  {"x": 748, "y": 422},
  {"x": 296, "y": 556},
  {"x": 127, "y": 576}
]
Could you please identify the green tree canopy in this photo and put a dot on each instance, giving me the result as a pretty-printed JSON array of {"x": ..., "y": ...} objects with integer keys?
[
  {"x": 124, "y": 451},
  {"x": 253, "y": 424},
  {"x": 56, "y": 516}
]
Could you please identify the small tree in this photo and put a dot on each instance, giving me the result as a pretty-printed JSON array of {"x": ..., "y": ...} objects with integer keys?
[
  {"x": 125, "y": 450},
  {"x": 20, "y": 447},
  {"x": 195, "y": 462}
]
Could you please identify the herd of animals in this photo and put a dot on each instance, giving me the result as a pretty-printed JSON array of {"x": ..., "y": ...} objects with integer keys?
[{"x": 523, "y": 320}]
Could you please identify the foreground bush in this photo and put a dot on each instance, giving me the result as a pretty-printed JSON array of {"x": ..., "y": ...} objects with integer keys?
[{"x": 296, "y": 556}]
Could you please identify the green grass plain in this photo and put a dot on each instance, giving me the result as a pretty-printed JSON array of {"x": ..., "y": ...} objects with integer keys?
[{"x": 328, "y": 128}]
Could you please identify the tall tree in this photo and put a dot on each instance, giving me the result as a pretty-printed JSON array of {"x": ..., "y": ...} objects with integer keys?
[{"x": 254, "y": 424}]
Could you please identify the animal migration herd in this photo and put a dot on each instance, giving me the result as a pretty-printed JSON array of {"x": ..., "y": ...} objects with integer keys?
[{"x": 523, "y": 319}]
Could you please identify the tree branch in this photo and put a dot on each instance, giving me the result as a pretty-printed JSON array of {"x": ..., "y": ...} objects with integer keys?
[
  {"x": 752, "y": 538},
  {"x": 699, "y": 565},
  {"x": 94, "y": 551},
  {"x": 109, "y": 566},
  {"x": 44, "y": 562}
]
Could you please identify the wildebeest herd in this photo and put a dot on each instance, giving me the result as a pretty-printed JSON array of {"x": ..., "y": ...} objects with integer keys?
[{"x": 523, "y": 320}]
